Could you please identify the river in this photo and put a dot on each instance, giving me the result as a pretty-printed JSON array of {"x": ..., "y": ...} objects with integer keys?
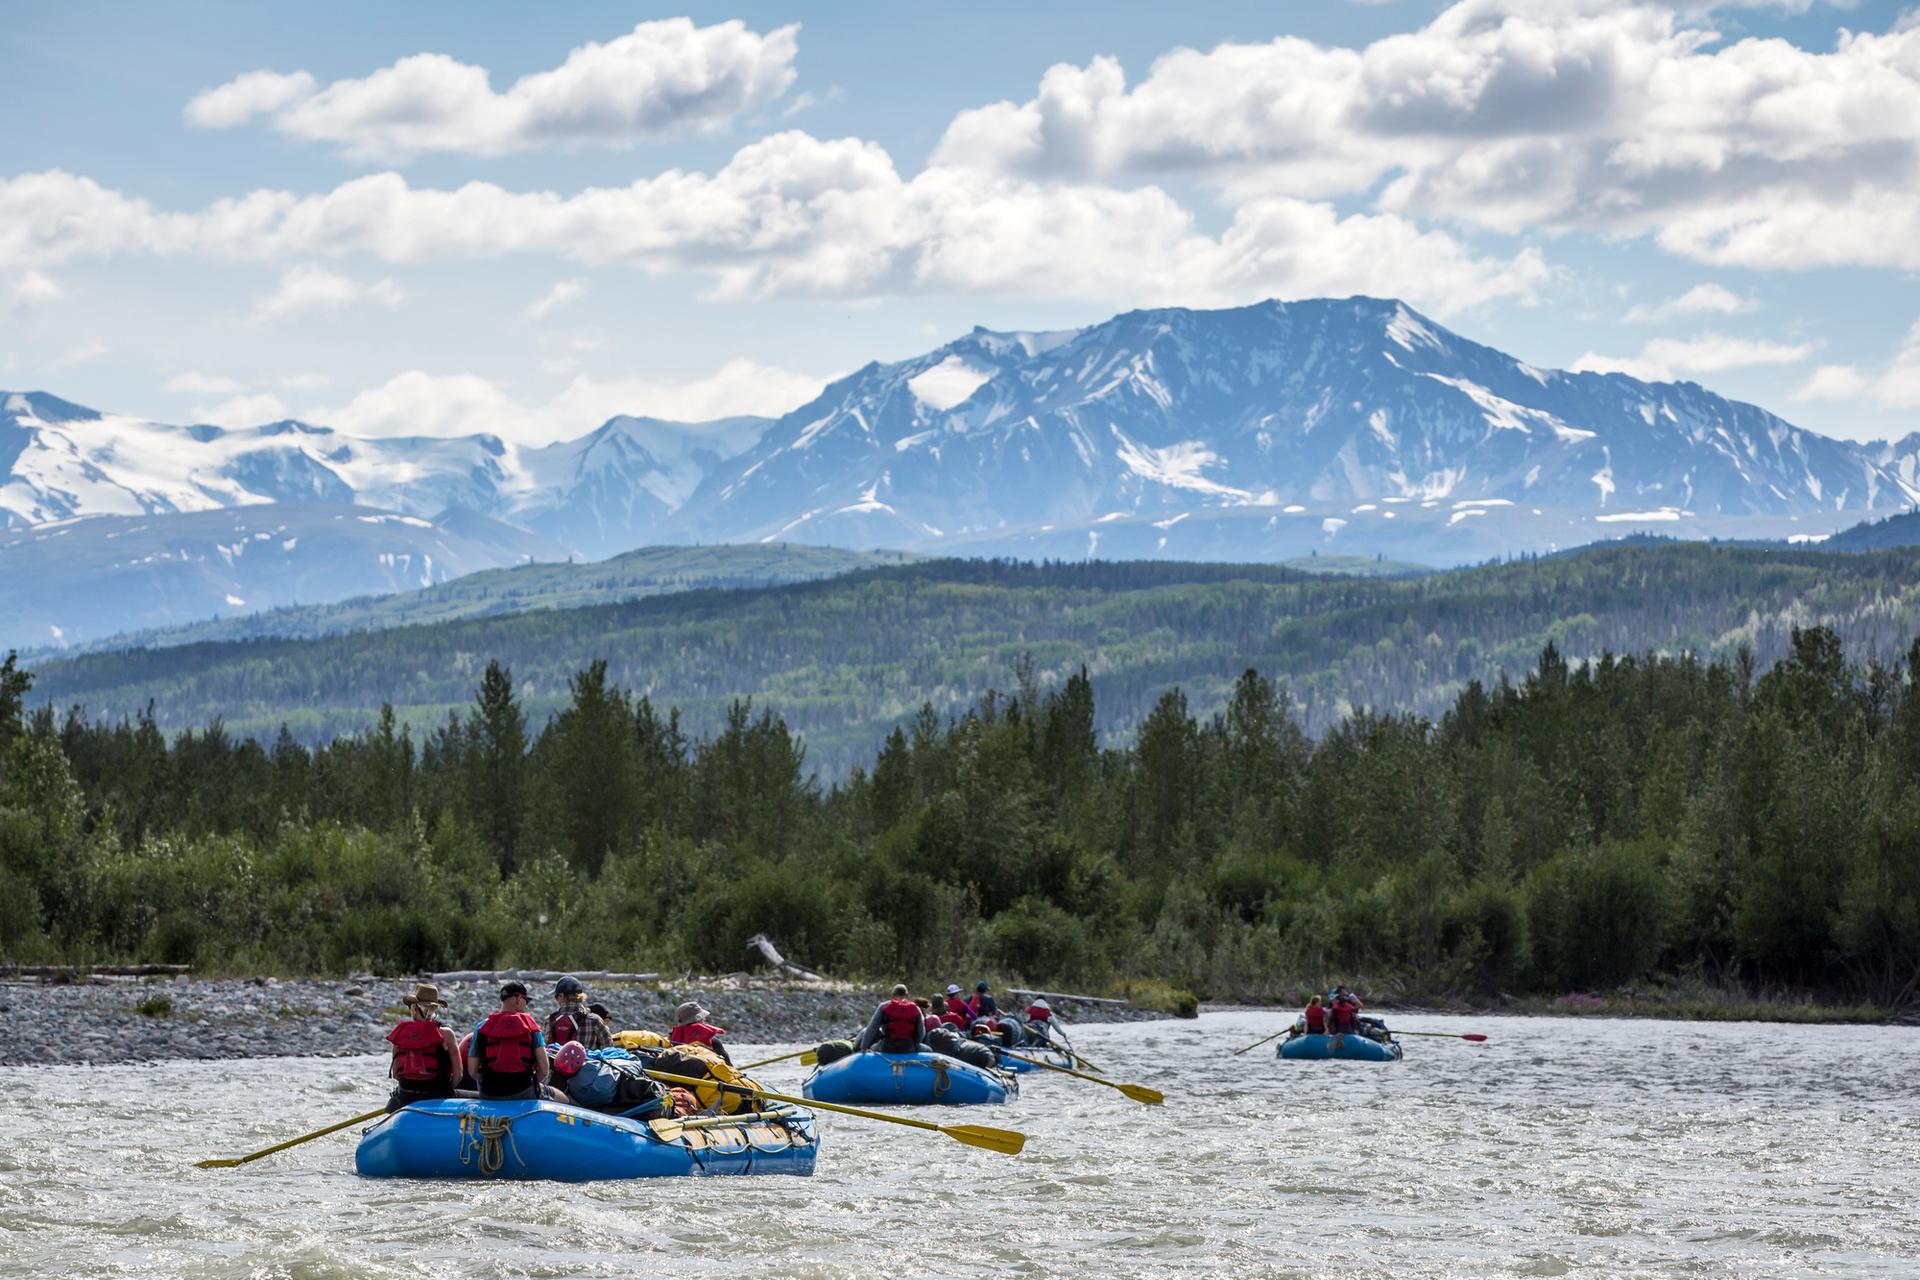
[{"x": 1562, "y": 1147}]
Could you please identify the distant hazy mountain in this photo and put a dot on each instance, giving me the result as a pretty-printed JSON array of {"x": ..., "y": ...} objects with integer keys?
[
  {"x": 1353, "y": 426},
  {"x": 525, "y": 588},
  {"x": 79, "y": 580}
]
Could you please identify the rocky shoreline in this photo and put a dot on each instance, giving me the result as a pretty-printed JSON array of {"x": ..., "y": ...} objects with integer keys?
[{"x": 170, "y": 1019}]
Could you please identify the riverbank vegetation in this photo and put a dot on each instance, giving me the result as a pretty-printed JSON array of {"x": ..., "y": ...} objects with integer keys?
[{"x": 1585, "y": 830}]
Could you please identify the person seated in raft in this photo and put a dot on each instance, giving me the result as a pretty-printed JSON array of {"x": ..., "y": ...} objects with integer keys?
[
  {"x": 571, "y": 1019},
  {"x": 1314, "y": 1017},
  {"x": 1040, "y": 1019},
  {"x": 984, "y": 1005},
  {"x": 618, "y": 1086},
  {"x": 601, "y": 1012},
  {"x": 897, "y": 1025},
  {"x": 960, "y": 1005},
  {"x": 423, "y": 1051},
  {"x": 1345, "y": 1014},
  {"x": 690, "y": 1026},
  {"x": 508, "y": 1053}
]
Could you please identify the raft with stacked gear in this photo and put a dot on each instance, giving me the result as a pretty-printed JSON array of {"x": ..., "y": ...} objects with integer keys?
[
  {"x": 908, "y": 1078},
  {"x": 1353, "y": 1046},
  {"x": 533, "y": 1140}
]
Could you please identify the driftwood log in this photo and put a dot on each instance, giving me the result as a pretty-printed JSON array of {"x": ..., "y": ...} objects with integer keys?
[
  {"x": 1055, "y": 995},
  {"x": 99, "y": 970},
  {"x": 541, "y": 975},
  {"x": 764, "y": 945}
]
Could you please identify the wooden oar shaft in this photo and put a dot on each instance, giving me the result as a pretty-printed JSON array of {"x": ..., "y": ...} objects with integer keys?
[
  {"x": 1444, "y": 1035},
  {"x": 1139, "y": 1093},
  {"x": 767, "y": 1062},
  {"x": 291, "y": 1142},
  {"x": 1262, "y": 1040}
]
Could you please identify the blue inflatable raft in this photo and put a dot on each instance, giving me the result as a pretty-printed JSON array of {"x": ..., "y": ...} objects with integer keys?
[
  {"x": 469, "y": 1138},
  {"x": 1352, "y": 1047},
  {"x": 908, "y": 1077}
]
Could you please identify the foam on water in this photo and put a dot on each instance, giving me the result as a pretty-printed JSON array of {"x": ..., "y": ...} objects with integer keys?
[{"x": 1561, "y": 1148}]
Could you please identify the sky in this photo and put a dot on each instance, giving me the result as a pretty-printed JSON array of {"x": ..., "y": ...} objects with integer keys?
[{"x": 437, "y": 218}]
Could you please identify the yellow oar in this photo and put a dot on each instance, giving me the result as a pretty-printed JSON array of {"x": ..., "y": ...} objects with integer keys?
[
  {"x": 1262, "y": 1040},
  {"x": 1005, "y": 1141},
  {"x": 1138, "y": 1092},
  {"x": 802, "y": 1054},
  {"x": 317, "y": 1133}
]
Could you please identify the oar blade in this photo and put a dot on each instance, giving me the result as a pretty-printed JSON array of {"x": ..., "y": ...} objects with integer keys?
[
  {"x": 809, "y": 1059},
  {"x": 1476, "y": 1038},
  {"x": 216, "y": 1164},
  {"x": 1140, "y": 1093},
  {"x": 1005, "y": 1141}
]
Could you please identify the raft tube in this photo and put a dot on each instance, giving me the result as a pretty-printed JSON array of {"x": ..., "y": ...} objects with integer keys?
[
  {"x": 530, "y": 1140},
  {"x": 1353, "y": 1048},
  {"x": 909, "y": 1078}
]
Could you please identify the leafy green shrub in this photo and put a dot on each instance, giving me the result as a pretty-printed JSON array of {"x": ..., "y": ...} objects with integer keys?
[{"x": 155, "y": 1007}]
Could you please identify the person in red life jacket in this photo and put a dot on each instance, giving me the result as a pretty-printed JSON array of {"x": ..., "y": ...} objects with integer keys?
[
  {"x": 1314, "y": 1017},
  {"x": 508, "y": 1056},
  {"x": 959, "y": 1004},
  {"x": 1345, "y": 1012},
  {"x": 898, "y": 1025},
  {"x": 1040, "y": 1019},
  {"x": 423, "y": 1051},
  {"x": 571, "y": 1019},
  {"x": 690, "y": 1026}
]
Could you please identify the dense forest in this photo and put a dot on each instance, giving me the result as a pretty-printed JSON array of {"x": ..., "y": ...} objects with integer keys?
[
  {"x": 1588, "y": 826},
  {"x": 844, "y": 660}
]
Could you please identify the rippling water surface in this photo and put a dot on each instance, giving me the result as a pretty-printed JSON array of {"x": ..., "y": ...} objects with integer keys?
[{"x": 1560, "y": 1148}]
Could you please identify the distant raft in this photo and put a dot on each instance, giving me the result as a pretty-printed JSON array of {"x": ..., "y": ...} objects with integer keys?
[
  {"x": 1352, "y": 1046},
  {"x": 529, "y": 1140},
  {"x": 875, "y": 1077}
]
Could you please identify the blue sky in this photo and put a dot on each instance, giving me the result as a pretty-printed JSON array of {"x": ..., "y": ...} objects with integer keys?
[{"x": 233, "y": 212}]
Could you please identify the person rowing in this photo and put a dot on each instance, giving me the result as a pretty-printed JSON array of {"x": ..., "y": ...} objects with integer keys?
[{"x": 898, "y": 1025}]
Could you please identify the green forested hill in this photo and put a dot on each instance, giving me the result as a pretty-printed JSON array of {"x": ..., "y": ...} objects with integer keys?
[
  {"x": 843, "y": 659},
  {"x": 648, "y": 571}
]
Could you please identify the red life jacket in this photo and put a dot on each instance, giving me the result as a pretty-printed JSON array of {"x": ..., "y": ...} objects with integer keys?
[
  {"x": 695, "y": 1033},
  {"x": 956, "y": 1005},
  {"x": 504, "y": 1045},
  {"x": 1036, "y": 1014},
  {"x": 953, "y": 1020},
  {"x": 1316, "y": 1016},
  {"x": 1343, "y": 1014},
  {"x": 900, "y": 1021},
  {"x": 420, "y": 1053}
]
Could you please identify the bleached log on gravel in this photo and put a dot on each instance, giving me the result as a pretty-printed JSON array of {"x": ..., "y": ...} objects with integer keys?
[{"x": 764, "y": 945}]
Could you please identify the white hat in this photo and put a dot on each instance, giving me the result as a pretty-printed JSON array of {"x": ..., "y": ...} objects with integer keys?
[
  {"x": 1041, "y": 1003},
  {"x": 953, "y": 988}
]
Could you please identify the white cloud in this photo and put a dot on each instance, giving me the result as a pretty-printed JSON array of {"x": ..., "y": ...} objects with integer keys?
[
  {"x": 420, "y": 403},
  {"x": 1702, "y": 299},
  {"x": 661, "y": 78},
  {"x": 1664, "y": 359},
  {"x": 793, "y": 215},
  {"x": 1629, "y": 119},
  {"x": 80, "y": 353},
  {"x": 32, "y": 291},
  {"x": 1832, "y": 382},
  {"x": 310, "y": 287},
  {"x": 242, "y": 410},
  {"x": 1897, "y": 386},
  {"x": 254, "y": 94},
  {"x": 559, "y": 296},
  {"x": 194, "y": 382}
]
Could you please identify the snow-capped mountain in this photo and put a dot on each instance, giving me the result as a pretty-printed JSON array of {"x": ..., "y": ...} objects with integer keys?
[
  {"x": 1328, "y": 420},
  {"x": 1261, "y": 432},
  {"x": 603, "y": 493}
]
